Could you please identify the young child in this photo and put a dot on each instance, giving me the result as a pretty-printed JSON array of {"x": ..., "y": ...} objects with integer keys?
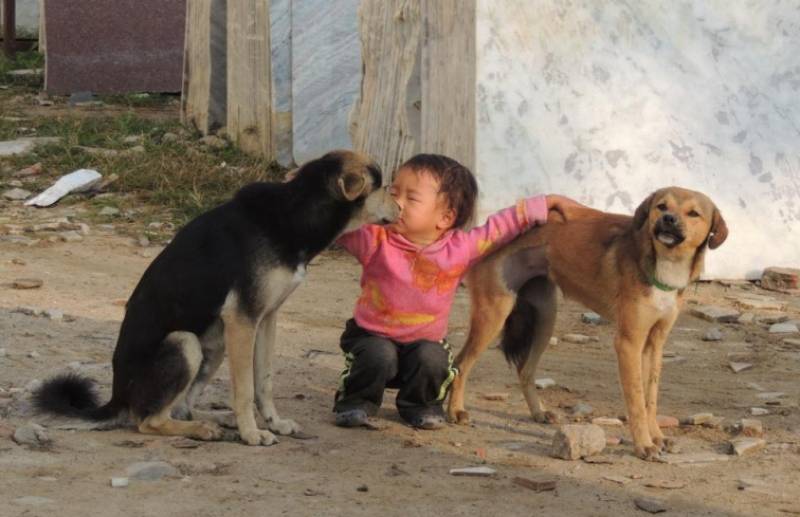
[{"x": 411, "y": 269}]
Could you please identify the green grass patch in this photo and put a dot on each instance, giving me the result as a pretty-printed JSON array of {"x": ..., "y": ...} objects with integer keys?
[{"x": 179, "y": 178}]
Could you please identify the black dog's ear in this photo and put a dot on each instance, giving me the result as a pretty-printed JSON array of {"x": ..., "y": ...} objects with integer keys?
[
  {"x": 352, "y": 185},
  {"x": 640, "y": 216},
  {"x": 719, "y": 230}
]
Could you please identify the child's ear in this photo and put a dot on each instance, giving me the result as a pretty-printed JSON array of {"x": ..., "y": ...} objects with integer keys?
[{"x": 447, "y": 219}]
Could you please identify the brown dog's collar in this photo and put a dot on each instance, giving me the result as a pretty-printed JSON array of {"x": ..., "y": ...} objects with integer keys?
[{"x": 653, "y": 281}]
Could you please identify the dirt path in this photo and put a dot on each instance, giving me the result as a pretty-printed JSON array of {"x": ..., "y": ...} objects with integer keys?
[{"x": 404, "y": 471}]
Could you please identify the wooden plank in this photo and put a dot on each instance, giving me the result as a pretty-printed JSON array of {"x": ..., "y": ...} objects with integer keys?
[
  {"x": 385, "y": 122},
  {"x": 248, "y": 66},
  {"x": 203, "y": 98},
  {"x": 448, "y": 79}
]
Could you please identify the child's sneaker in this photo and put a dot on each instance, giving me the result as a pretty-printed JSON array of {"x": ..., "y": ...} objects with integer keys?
[
  {"x": 429, "y": 419},
  {"x": 351, "y": 418}
]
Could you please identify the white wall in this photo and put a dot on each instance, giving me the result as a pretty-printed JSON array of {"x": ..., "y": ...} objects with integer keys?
[{"x": 606, "y": 101}]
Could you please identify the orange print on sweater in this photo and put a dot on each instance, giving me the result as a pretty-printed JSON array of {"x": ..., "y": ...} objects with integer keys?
[
  {"x": 373, "y": 299},
  {"x": 426, "y": 274}
]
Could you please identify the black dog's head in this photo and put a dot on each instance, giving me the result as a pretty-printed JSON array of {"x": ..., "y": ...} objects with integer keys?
[{"x": 352, "y": 178}]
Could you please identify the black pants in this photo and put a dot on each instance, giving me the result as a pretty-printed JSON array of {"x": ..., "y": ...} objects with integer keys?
[{"x": 422, "y": 371}]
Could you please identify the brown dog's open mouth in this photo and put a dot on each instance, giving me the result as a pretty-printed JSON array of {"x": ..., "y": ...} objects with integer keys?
[{"x": 669, "y": 238}]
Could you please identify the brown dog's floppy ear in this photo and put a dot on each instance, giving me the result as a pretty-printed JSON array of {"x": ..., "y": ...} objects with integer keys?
[
  {"x": 719, "y": 231},
  {"x": 640, "y": 216},
  {"x": 352, "y": 185}
]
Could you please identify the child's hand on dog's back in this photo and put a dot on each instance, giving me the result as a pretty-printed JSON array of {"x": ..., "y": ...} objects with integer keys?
[{"x": 566, "y": 207}]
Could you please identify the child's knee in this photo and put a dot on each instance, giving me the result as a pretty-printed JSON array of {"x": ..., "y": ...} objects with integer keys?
[{"x": 433, "y": 358}]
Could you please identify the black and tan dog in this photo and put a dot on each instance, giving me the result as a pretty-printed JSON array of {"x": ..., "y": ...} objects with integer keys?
[
  {"x": 631, "y": 270},
  {"x": 218, "y": 286}
]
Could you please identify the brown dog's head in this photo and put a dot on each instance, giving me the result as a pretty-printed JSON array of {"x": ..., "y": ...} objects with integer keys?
[{"x": 679, "y": 221}]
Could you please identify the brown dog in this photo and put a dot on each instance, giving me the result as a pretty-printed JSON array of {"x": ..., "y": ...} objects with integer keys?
[{"x": 631, "y": 270}]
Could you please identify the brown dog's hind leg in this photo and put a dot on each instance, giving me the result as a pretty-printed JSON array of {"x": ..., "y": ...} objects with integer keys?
[
  {"x": 537, "y": 305},
  {"x": 489, "y": 308}
]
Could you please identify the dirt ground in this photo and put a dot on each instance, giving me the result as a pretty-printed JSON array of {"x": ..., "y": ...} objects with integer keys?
[{"x": 394, "y": 470}]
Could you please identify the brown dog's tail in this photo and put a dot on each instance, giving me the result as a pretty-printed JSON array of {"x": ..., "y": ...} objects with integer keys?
[{"x": 530, "y": 324}]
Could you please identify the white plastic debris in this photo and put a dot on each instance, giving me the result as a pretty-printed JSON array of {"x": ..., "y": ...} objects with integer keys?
[{"x": 77, "y": 181}]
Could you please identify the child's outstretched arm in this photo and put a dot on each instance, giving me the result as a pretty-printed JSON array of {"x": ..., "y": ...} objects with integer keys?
[{"x": 505, "y": 225}]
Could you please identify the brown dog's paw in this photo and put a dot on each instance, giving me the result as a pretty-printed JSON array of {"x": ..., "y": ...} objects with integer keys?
[
  {"x": 462, "y": 417},
  {"x": 546, "y": 417},
  {"x": 648, "y": 452}
]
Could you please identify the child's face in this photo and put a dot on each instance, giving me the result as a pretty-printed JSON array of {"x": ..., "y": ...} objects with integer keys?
[{"x": 424, "y": 212}]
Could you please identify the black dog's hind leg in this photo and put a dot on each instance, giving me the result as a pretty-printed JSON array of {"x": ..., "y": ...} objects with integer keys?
[{"x": 165, "y": 383}]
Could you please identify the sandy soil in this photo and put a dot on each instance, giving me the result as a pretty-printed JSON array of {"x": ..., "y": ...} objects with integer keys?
[{"x": 395, "y": 470}]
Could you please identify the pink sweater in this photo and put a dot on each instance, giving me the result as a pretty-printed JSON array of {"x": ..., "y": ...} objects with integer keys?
[{"x": 407, "y": 290}]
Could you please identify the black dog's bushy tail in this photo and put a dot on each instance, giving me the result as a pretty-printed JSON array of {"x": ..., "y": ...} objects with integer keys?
[
  {"x": 530, "y": 323},
  {"x": 72, "y": 395}
]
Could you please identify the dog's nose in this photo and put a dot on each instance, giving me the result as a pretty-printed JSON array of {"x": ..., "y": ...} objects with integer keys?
[{"x": 669, "y": 219}]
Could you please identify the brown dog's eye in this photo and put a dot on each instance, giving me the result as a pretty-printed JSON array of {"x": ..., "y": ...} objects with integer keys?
[
  {"x": 694, "y": 213},
  {"x": 662, "y": 207}
]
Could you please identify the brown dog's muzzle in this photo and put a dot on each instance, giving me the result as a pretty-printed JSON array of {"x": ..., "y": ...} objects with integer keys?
[{"x": 668, "y": 231}]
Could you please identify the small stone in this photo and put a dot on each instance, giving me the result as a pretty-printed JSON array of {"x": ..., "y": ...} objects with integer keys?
[
  {"x": 751, "y": 427},
  {"x": 27, "y": 283},
  {"x": 499, "y": 396},
  {"x": 363, "y": 488},
  {"x": 545, "y": 383},
  {"x": 666, "y": 422},
  {"x": 611, "y": 422},
  {"x": 133, "y": 139},
  {"x": 33, "y": 170},
  {"x": 791, "y": 342},
  {"x": 759, "y": 303},
  {"x": 759, "y": 411},
  {"x": 151, "y": 470},
  {"x": 119, "y": 482},
  {"x": 537, "y": 485},
  {"x": 578, "y": 339},
  {"x": 740, "y": 367},
  {"x": 780, "y": 278},
  {"x": 473, "y": 471},
  {"x": 650, "y": 505},
  {"x": 136, "y": 149},
  {"x": 582, "y": 410},
  {"x": 33, "y": 436},
  {"x": 574, "y": 441},
  {"x": 17, "y": 194},
  {"x": 714, "y": 423},
  {"x": 771, "y": 318},
  {"x": 70, "y": 236},
  {"x": 3, "y": 352},
  {"x": 742, "y": 446},
  {"x": 771, "y": 395},
  {"x": 311, "y": 492},
  {"x": 18, "y": 262},
  {"x": 553, "y": 341},
  {"x": 169, "y": 137},
  {"x": 697, "y": 419},
  {"x": 713, "y": 334},
  {"x": 783, "y": 328},
  {"x": 592, "y": 318},
  {"x": 109, "y": 211},
  {"x": 745, "y": 483},
  {"x": 53, "y": 314},
  {"x": 143, "y": 241},
  {"x": 746, "y": 318},
  {"x": 618, "y": 479},
  {"x": 613, "y": 440},
  {"x": 712, "y": 313},
  {"x": 33, "y": 385},
  {"x": 33, "y": 355}
]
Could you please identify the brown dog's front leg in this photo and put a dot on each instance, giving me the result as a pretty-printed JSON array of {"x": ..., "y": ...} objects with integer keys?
[{"x": 629, "y": 360}]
